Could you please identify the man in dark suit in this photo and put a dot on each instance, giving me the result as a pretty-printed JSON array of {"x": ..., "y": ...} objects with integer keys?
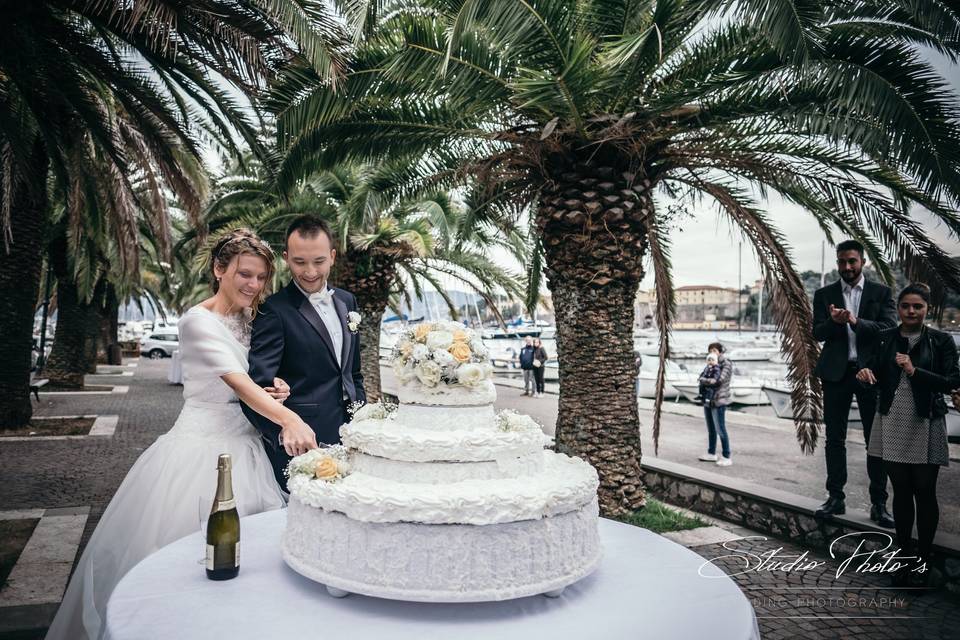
[
  {"x": 303, "y": 335},
  {"x": 847, "y": 317}
]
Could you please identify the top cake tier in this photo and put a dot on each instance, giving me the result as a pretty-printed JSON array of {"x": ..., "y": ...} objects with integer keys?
[
  {"x": 413, "y": 392},
  {"x": 442, "y": 364}
]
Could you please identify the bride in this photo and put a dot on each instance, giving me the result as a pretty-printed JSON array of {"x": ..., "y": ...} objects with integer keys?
[{"x": 158, "y": 500}]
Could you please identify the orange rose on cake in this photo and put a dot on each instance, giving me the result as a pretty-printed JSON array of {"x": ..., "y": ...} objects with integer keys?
[
  {"x": 420, "y": 333},
  {"x": 326, "y": 469},
  {"x": 460, "y": 351}
]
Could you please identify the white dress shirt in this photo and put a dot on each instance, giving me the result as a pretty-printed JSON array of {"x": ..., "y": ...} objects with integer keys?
[
  {"x": 851, "y": 300},
  {"x": 322, "y": 301}
]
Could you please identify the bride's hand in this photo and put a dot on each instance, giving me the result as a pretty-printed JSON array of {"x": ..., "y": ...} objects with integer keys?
[
  {"x": 296, "y": 437},
  {"x": 280, "y": 390}
]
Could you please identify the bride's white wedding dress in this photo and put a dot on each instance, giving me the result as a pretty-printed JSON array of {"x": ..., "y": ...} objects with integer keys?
[{"x": 158, "y": 500}]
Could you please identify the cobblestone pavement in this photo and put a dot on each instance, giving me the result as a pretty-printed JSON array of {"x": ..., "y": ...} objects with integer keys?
[{"x": 77, "y": 473}]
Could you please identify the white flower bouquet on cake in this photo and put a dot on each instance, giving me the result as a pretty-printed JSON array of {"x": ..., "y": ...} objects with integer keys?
[{"x": 441, "y": 353}]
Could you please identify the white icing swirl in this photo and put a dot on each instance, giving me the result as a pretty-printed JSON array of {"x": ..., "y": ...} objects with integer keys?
[
  {"x": 398, "y": 441},
  {"x": 564, "y": 485}
]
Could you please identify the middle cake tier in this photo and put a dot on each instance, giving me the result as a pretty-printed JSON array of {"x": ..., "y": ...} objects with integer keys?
[{"x": 502, "y": 438}]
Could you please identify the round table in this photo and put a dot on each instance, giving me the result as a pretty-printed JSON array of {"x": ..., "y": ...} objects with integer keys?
[{"x": 646, "y": 586}]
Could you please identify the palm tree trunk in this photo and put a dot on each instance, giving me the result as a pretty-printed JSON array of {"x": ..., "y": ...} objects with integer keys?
[
  {"x": 69, "y": 357},
  {"x": 92, "y": 327},
  {"x": 74, "y": 342},
  {"x": 109, "y": 325},
  {"x": 20, "y": 268},
  {"x": 591, "y": 220},
  {"x": 370, "y": 347},
  {"x": 370, "y": 279}
]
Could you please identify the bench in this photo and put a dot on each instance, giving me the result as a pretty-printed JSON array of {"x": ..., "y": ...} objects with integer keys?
[{"x": 35, "y": 385}]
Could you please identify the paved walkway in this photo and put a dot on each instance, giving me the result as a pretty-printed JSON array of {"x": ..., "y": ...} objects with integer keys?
[{"x": 72, "y": 480}]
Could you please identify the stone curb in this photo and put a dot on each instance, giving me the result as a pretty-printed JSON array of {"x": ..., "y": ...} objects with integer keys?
[{"x": 103, "y": 427}]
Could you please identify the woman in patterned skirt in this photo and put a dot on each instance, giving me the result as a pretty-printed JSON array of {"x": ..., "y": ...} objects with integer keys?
[{"x": 913, "y": 366}]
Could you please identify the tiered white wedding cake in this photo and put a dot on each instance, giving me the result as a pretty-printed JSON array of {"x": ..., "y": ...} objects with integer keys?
[{"x": 441, "y": 499}]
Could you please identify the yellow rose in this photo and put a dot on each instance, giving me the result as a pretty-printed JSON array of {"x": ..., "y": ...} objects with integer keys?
[
  {"x": 460, "y": 351},
  {"x": 459, "y": 336},
  {"x": 420, "y": 333},
  {"x": 326, "y": 469}
]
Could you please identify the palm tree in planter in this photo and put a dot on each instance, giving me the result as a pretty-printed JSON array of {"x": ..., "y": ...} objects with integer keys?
[
  {"x": 390, "y": 233},
  {"x": 120, "y": 87},
  {"x": 596, "y": 113}
]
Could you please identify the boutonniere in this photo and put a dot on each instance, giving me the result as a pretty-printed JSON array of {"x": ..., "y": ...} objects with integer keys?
[{"x": 353, "y": 321}]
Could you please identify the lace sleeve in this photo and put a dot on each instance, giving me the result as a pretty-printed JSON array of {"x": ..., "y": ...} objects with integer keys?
[{"x": 204, "y": 347}]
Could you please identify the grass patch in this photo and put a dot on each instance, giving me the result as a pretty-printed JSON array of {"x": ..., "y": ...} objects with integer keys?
[
  {"x": 658, "y": 518},
  {"x": 40, "y": 426},
  {"x": 13, "y": 538}
]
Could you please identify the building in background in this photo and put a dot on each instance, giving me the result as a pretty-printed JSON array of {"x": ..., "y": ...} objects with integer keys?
[{"x": 698, "y": 307}]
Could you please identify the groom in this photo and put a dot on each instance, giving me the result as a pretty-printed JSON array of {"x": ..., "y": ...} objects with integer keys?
[{"x": 302, "y": 335}]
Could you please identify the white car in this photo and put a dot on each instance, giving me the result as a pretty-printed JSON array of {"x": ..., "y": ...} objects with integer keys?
[{"x": 160, "y": 344}]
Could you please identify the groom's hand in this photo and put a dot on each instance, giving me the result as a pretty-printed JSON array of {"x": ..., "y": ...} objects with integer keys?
[
  {"x": 297, "y": 438},
  {"x": 280, "y": 390}
]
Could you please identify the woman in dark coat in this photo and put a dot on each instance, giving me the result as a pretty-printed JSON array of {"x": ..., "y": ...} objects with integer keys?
[{"x": 913, "y": 366}]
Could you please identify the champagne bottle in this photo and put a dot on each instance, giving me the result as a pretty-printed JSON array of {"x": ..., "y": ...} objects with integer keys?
[{"x": 223, "y": 527}]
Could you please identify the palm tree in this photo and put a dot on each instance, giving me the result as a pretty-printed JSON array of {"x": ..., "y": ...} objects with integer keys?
[
  {"x": 93, "y": 93},
  {"x": 390, "y": 234},
  {"x": 599, "y": 113}
]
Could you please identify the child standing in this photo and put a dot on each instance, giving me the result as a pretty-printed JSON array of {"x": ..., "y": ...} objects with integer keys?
[{"x": 711, "y": 374}]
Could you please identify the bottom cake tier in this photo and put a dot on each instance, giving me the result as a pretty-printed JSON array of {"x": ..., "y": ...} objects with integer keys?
[{"x": 441, "y": 562}]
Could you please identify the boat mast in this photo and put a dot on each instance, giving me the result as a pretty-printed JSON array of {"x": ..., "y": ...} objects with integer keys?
[
  {"x": 739, "y": 286},
  {"x": 760, "y": 306},
  {"x": 823, "y": 250}
]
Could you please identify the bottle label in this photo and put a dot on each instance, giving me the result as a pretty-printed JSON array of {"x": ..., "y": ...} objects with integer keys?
[
  {"x": 214, "y": 558},
  {"x": 225, "y": 505}
]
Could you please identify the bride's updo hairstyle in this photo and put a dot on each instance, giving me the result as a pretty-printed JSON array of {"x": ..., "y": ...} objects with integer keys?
[{"x": 235, "y": 243}]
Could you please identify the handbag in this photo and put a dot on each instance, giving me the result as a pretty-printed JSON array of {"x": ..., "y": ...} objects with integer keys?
[{"x": 536, "y": 363}]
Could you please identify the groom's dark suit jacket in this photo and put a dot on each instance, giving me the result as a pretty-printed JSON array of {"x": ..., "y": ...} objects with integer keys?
[
  {"x": 877, "y": 312},
  {"x": 290, "y": 341}
]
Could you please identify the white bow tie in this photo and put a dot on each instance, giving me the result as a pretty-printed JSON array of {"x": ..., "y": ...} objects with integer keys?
[{"x": 321, "y": 297}]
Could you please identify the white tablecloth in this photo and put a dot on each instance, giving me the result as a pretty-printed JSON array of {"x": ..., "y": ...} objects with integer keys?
[
  {"x": 645, "y": 587},
  {"x": 175, "y": 373}
]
